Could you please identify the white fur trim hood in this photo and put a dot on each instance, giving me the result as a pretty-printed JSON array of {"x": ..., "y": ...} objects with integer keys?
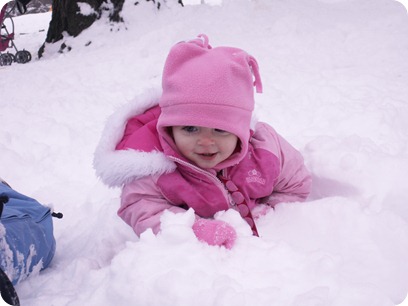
[{"x": 118, "y": 167}]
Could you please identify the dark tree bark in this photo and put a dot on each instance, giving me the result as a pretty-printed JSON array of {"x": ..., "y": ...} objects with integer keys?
[{"x": 66, "y": 18}]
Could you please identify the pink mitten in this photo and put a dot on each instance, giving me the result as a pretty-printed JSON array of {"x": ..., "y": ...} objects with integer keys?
[{"x": 215, "y": 232}]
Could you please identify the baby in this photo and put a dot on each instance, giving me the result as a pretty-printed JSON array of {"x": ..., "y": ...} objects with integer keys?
[{"x": 195, "y": 146}]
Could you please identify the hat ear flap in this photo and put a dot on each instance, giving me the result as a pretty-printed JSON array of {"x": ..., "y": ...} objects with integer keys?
[{"x": 253, "y": 64}]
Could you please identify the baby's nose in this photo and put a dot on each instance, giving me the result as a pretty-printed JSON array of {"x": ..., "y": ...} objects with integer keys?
[{"x": 205, "y": 140}]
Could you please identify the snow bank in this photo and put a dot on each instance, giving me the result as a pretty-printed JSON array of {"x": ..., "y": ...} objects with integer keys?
[{"x": 334, "y": 74}]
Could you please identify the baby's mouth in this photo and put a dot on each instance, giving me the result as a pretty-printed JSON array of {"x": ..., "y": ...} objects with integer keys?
[{"x": 206, "y": 155}]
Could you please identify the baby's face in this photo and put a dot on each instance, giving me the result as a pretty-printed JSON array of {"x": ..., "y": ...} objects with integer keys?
[{"x": 205, "y": 147}]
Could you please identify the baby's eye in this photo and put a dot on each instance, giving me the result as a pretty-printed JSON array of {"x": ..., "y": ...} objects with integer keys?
[
  {"x": 221, "y": 131},
  {"x": 190, "y": 129}
]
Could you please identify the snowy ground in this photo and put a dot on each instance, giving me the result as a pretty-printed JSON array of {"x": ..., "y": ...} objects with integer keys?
[{"x": 335, "y": 76}]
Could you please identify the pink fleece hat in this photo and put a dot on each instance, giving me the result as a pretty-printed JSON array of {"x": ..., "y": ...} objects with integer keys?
[{"x": 210, "y": 87}]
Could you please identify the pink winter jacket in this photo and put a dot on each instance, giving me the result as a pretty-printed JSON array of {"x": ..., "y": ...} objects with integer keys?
[{"x": 153, "y": 181}]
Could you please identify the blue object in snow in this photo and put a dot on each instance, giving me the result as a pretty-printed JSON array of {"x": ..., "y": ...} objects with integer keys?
[{"x": 27, "y": 242}]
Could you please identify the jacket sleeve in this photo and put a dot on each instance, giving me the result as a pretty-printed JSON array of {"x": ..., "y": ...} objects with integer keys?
[
  {"x": 294, "y": 181},
  {"x": 142, "y": 205}
]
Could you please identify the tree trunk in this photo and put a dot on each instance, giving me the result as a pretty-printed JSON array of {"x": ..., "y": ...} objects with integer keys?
[{"x": 66, "y": 17}]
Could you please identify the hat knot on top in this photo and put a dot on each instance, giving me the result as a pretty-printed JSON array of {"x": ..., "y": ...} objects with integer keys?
[
  {"x": 210, "y": 87},
  {"x": 201, "y": 40}
]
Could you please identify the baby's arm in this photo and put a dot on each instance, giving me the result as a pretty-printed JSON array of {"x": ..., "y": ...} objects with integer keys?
[
  {"x": 294, "y": 181},
  {"x": 142, "y": 205}
]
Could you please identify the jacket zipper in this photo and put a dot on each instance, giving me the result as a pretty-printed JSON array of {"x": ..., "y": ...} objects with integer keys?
[
  {"x": 230, "y": 200},
  {"x": 219, "y": 183},
  {"x": 214, "y": 178}
]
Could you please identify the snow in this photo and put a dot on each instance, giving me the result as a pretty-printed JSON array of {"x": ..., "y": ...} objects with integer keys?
[
  {"x": 404, "y": 3},
  {"x": 335, "y": 80},
  {"x": 85, "y": 9}
]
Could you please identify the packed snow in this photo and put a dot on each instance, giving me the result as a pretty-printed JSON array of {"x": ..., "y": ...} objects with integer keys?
[{"x": 335, "y": 76}]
